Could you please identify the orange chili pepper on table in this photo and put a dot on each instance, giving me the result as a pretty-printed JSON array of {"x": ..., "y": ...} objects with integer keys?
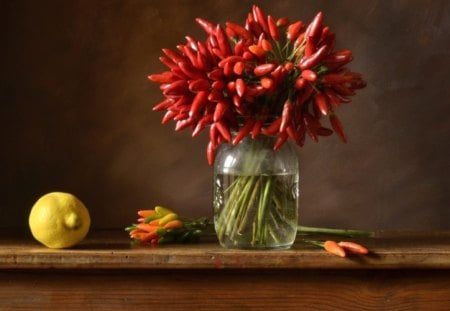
[{"x": 334, "y": 248}]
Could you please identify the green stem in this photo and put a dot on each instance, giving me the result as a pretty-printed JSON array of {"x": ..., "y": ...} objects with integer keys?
[
  {"x": 342, "y": 232},
  {"x": 313, "y": 242}
]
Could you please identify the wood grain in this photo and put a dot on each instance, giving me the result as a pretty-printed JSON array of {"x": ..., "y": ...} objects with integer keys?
[
  {"x": 225, "y": 290},
  {"x": 113, "y": 250}
]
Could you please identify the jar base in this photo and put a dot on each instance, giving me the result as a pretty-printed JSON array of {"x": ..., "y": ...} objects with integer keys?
[{"x": 257, "y": 247}]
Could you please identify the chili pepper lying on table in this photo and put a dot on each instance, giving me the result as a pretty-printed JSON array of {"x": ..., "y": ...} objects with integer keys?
[{"x": 340, "y": 249}]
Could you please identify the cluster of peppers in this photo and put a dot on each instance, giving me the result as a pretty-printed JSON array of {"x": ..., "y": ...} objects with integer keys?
[
  {"x": 270, "y": 77},
  {"x": 161, "y": 226}
]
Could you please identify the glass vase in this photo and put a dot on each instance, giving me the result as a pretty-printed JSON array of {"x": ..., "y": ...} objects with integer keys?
[{"x": 256, "y": 194}]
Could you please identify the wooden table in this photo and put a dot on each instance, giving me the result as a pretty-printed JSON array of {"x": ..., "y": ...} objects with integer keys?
[{"x": 405, "y": 271}]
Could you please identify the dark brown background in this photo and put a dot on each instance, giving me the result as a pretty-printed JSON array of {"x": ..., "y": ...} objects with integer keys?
[{"x": 76, "y": 112}]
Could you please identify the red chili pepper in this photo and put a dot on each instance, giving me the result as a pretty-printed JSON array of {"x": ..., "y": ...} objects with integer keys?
[
  {"x": 286, "y": 115},
  {"x": 199, "y": 85},
  {"x": 321, "y": 101},
  {"x": 210, "y": 153},
  {"x": 228, "y": 69},
  {"x": 223, "y": 130},
  {"x": 182, "y": 124},
  {"x": 211, "y": 43},
  {"x": 293, "y": 135},
  {"x": 317, "y": 114},
  {"x": 190, "y": 71},
  {"x": 244, "y": 131},
  {"x": 261, "y": 18},
  {"x": 282, "y": 21},
  {"x": 248, "y": 56},
  {"x": 239, "y": 48},
  {"x": 179, "y": 74},
  {"x": 216, "y": 74},
  {"x": 323, "y": 131},
  {"x": 257, "y": 50},
  {"x": 337, "y": 126},
  {"x": 267, "y": 83},
  {"x": 301, "y": 131},
  {"x": 238, "y": 68},
  {"x": 198, "y": 103},
  {"x": 310, "y": 127},
  {"x": 273, "y": 128},
  {"x": 309, "y": 75},
  {"x": 263, "y": 69},
  {"x": 207, "y": 26},
  {"x": 191, "y": 42},
  {"x": 237, "y": 100},
  {"x": 333, "y": 98},
  {"x": 183, "y": 101},
  {"x": 204, "y": 121},
  {"x": 309, "y": 62},
  {"x": 310, "y": 47},
  {"x": 231, "y": 86},
  {"x": 168, "y": 116},
  {"x": 215, "y": 96},
  {"x": 179, "y": 87},
  {"x": 302, "y": 97},
  {"x": 202, "y": 62},
  {"x": 339, "y": 56},
  {"x": 294, "y": 30},
  {"x": 218, "y": 85},
  {"x": 174, "y": 56},
  {"x": 354, "y": 247},
  {"x": 257, "y": 128},
  {"x": 281, "y": 139},
  {"x": 266, "y": 45},
  {"x": 218, "y": 53},
  {"x": 220, "y": 110},
  {"x": 163, "y": 105},
  {"x": 253, "y": 27},
  {"x": 300, "y": 83},
  {"x": 182, "y": 115},
  {"x": 325, "y": 33},
  {"x": 203, "y": 50},
  {"x": 300, "y": 39},
  {"x": 278, "y": 74},
  {"x": 273, "y": 29},
  {"x": 230, "y": 59},
  {"x": 288, "y": 66},
  {"x": 164, "y": 77},
  {"x": 253, "y": 91},
  {"x": 213, "y": 134},
  {"x": 333, "y": 78},
  {"x": 168, "y": 62},
  {"x": 191, "y": 55},
  {"x": 231, "y": 33},
  {"x": 342, "y": 90},
  {"x": 240, "y": 87},
  {"x": 239, "y": 30},
  {"x": 316, "y": 26},
  {"x": 222, "y": 40}
]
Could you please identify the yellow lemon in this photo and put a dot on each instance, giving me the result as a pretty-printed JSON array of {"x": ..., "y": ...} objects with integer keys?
[{"x": 59, "y": 220}]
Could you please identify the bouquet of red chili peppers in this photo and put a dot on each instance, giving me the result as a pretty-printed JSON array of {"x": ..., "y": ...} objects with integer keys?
[{"x": 269, "y": 76}]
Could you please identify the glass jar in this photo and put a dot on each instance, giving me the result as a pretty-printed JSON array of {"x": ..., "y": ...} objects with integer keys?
[{"x": 256, "y": 194}]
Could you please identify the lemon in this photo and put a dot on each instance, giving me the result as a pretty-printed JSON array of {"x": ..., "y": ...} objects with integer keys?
[{"x": 59, "y": 220}]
